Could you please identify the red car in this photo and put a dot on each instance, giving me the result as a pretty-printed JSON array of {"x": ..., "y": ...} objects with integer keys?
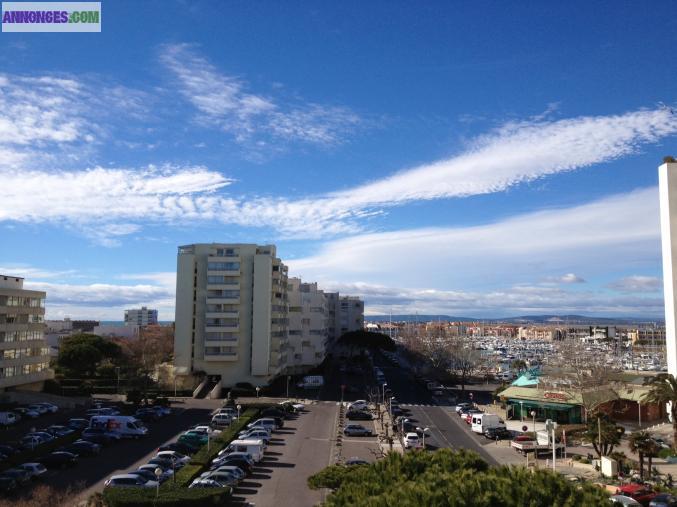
[{"x": 639, "y": 492}]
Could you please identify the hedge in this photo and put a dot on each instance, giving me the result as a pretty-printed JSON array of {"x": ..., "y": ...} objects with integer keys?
[
  {"x": 205, "y": 456},
  {"x": 169, "y": 497},
  {"x": 29, "y": 456}
]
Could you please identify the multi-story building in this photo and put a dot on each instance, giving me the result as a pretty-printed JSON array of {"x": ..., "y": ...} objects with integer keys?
[
  {"x": 308, "y": 332},
  {"x": 351, "y": 314},
  {"x": 231, "y": 313},
  {"x": 140, "y": 317},
  {"x": 24, "y": 362}
]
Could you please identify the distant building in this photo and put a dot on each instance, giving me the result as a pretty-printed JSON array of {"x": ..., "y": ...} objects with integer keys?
[
  {"x": 127, "y": 331},
  {"x": 24, "y": 362},
  {"x": 84, "y": 326},
  {"x": 350, "y": 312},
  {"x": 141, "y": 317},
  {"x": 308, "y": 325}
]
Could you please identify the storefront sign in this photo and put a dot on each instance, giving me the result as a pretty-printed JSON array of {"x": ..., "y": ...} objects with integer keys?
[{"x": 556, "y": 396}]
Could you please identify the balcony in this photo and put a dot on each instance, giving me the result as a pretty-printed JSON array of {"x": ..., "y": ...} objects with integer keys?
[
  {"x": 222, "y": 315},
  {"x": 222, "y": 301},
  {"x": 231, "y": 356},
  {"x": 234, "y": 328}
]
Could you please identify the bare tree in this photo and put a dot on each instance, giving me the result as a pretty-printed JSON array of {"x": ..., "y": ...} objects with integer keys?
[{"x": 465, "y": 360}]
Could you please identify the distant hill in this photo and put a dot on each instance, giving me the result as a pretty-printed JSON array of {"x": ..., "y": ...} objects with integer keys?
[{"x": 524, "y": 319}]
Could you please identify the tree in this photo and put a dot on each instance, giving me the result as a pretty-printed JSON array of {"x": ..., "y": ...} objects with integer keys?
[
  {"x": 367, "y": 340},
  {"x": 80, "y": 355},
  {"x": 639, "y": 443},
  {"x": 519, "y": 365},
  {"x": 609, "y": 431},
  {"x": 449, "y": 478},
  {"x": 464, "y": 359},
  {"x": 664, "y": 392}
]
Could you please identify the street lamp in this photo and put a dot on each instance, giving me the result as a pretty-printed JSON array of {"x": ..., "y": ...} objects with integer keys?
[
  {"x": 239, "y": 407},
  {"x": 383, "y": 397},
  {"x": 257, "y": 391},
  {"x": 424, "y": 432},
  {"x": 533, "y": 414},
  {"x": 158, "y": 473},
  {"x": 390, "y": 407},
  {"x": 521, "y": 411}
]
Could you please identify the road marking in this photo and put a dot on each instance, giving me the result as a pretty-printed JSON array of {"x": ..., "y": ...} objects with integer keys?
[{"x": 434, "y": 428}]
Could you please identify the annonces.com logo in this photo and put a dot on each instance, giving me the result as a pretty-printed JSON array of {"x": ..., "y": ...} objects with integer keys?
[{"x": 51, "y": 16}]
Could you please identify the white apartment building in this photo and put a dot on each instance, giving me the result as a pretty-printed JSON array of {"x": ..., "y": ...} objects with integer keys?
[
  {"x": 24, "y": 359},
  {"x": 140, "y": 317},
  {"x": 350, "y": 313},
  {"x": 231, "y": 313},
  {"x": 308, "y": 331}
]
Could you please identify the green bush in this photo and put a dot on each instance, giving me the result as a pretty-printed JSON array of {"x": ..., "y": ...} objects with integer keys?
[
  {"x": 450, "y": 478},
  {"x": 185, "y": 476},
  {"x": 205, "y": 456},
  {"x": 666, "y": 453},
  {"x": 169, "y": 497}
]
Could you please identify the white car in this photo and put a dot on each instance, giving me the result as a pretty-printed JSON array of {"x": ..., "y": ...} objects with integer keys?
[
  {"x": 411, "y": 441},
  {"x": 222, "y": 420},
  {"x": 207, "y": 430},
  {"x": 50, "y": 407},
  {"x": 34, "y": 470},
  {"x": 227, "y": 410},
  {"x": 358, "y": 405},
  {"x": 236, "y": 471},
  {"x": 129, "y": 481},
  {"x": 254, "y": 435},
  {"x": 180, "y": 458},
  {"x": 267, "y": 423}
]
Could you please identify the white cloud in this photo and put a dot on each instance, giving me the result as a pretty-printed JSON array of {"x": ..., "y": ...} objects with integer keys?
[
  {"x": 567, "y": 278},
  {"x": 637, "y": 283},
  {"x": 223, "y": 100},
  {"x": 516, "y": 250}
]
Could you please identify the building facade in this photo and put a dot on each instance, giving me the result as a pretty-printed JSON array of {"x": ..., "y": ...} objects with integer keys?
[
  {"x": 350, "y": 314},
  {"x": 231, "y": 313},
  {"x": 667, "y": 190},
  {"x": 141, "y": 317},
  {"x": 24, "y": 359},
  {"x": 308, "y": 325}
]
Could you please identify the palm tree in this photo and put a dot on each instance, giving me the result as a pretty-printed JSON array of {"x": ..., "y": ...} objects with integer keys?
[
  {"x": 640, "y": 442},
  {"x": 664, "y": 391}
]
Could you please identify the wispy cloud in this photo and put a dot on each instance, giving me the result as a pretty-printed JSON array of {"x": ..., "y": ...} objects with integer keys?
[
  {"x": 225, "y": 101},
  {"x": 567, "y": 278},
  {"x": 530, "y": 247},
  {"x": 637, "y": 283}
]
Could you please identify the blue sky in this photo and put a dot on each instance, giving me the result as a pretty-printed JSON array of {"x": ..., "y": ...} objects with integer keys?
[{"x": 478, "y": 159}]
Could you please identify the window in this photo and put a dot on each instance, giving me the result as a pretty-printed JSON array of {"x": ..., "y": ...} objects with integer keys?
[
  {"x": 221, "y": 336},
  {"x": 223, "y": 266}
]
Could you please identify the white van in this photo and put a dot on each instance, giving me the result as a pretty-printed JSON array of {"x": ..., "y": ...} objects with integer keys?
[
  {"x": 252, "y": 447},
  {"x": 7, "y": 418},
  {"x": 482, "y": 422},
  {"x": 124, "y": 425}
]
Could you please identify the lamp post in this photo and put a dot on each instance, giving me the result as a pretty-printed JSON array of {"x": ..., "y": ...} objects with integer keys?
[
  {"x": 521, "y": 411},
  {"x": 639, "y": 411},
  {"x": 239, "y": 407},
  {"x": 257, "y": 391},
  {"x": 383, "y": 397},
  {"x": 533, "y": 414},
  {"x": 158, "y": 473},
  {"x": 390, "y": 407},
  {"x": 424, "y": 432},
  {"x": 287, "y": 386}
]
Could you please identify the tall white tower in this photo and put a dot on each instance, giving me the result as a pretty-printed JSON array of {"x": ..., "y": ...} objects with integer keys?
[{"x": 667, "y": 185}]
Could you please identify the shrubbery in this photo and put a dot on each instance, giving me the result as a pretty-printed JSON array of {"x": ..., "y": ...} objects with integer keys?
[
  {"x": 448, "y": 478},
  {"x": 170, "y": 497}
]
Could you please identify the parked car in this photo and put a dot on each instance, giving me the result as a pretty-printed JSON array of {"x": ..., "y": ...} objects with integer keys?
[
  {"x": 497, "y": 433},
  {"x": 164, "y": 475},
  {"x": 237, "y": 461},
  {"x": 236, "y": 471},
  {"x": 146, "y": 474},
  {"x": 222, "y": 420},
  {"x": 167, "y": 464},
  {"x": 462, "y": 406},
  {"x": 40, "y": 409},
  {"x": 129, "y": 481},
  {"x": 356, "y": 461},
  {"x": 42, "y": 436},
  {"x": 9, "y": 418},
  {"x": 265, "y": 422},
  {"x": 206, "y": 429},
  {"x": 59, "y": 431},
  {"x": 358, "y": 405},
  {"x": 274, "y": 412},
  {"x": 99, "y": 436},
  {"x": 8, "y": 450},
  {"x": 412, "y": 441},
  {"x": 623, "y": 501},
  {"x": 50, "y": 407},
  {"x": 83, "y": 448},
  {"x": 147, "y": 415},
  {"x": 29, "y": 442},
  {"x": 225, "y": 478},
  {"x": 664, "y": 500},
  {"x": 194, "y": 438},
  {"x": 255, "y": 435},
  {"x": 20, "y": 475},
  {"x": 357, "y": 430},
  {"x": 77, "y": 424},
  {"x": 358, "y": 415},
  {"x": 639, "y": 492},
  {"x": 206, "y": 483},
  {"x": 58, "y": 459},
  {"x": 26, "y": 412},
  {"x": 182, "y": 447},
  {"x": 173, "y": 455},
  {"x": 35, "y": 470}
]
